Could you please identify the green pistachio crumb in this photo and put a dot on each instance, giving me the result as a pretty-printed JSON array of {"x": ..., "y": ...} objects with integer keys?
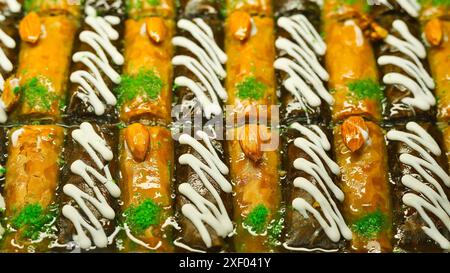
[
  {"x": 145, "y": 83},
  {"x": 143, "y": 216},
  {"x": 257, "y": 219},
  {"x": 251, "y": 88}
]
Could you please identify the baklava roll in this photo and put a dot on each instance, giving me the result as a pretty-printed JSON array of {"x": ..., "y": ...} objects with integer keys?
[
  {"x": 145, "y": 92},
  {"x": 253, "y": 161},
  {"x": 138, "y": 9},
  {"x": 96, "y": 64},
  {"x": 146, "y": 165},
  {"x": 253, "y": 7},
  {"x": 9, "y": 52},
  {"x": 34, "y": 158},
  {"x": 350, "y": 61},
  {"x": 199, "y": 64},
  {"x": 88, "y": 193},
  {"x": 204, "y": 194},
  {"x": 40, "y": 82},
  {"x": 421, "y": 181},
  {"x": 402, "y": 62},
  {"x": 53, "y": 7},
  {"x": 300, "y": 74},
  {"x": 250, "y": 82},
  {"x": 435, "y": 19},
  {"x": 314, "y": 221},
  {"x": 361, "y": 153}
]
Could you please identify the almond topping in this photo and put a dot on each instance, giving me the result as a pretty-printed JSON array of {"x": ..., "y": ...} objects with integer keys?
[
  {"x": 138, "y": 141},
  {"x": 251, "y": 140},
  {"x": 240, "y": 25},
  {"x": 156, "y": 29},
  {"x": 353, "y": 130},
  {"x": 433, "y": 32},
  {"x": 30, "y": 28},
  {"x": 11, "y": 93}
]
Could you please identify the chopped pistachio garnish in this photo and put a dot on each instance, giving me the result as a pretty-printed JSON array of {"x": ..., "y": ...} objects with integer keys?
[
  {"x": 36, "y": 94},
  {"x": 145, "y": 83},
  {"x": 33, "y": 219},
  {"x": 370, "y": 225},
  {"x": 143, "y": 216},
  {"x": 366, "y": 89},
  {"x": 257, "y": 219},
  {"x": 251, "y": 88}
]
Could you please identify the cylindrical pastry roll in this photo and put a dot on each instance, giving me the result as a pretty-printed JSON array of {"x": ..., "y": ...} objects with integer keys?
[
  {"x": 31, "y": 182},
  {"x": 403, "y": 66},
  {"x": 250, "y": 78},
  {"x": 137, "y": 9},
  {"x": 314, "y": 221},
  {"x": 88, "y": 192},
  {"x": 146, "y": 165},
  {"x": 419, "y": 173},
  {"x": 47, "y": 7},
  {"x": 204, "y": 194},
  {"x": 300, "y": 74},
  {"x": 9, "y": 51},
  {"x": 96, "y": 63},
  {"x": 199, "y": 67},
  {"x": 435, "y": 19},
  {"x": 253, "y": 161},
  {"x": 145, "y": 92},
  {"x": 253, "y": 7},
  {"x": 43, "y": 69},
  {"x": 350, "y": 62},
  {"x": 361, "y": 153}
]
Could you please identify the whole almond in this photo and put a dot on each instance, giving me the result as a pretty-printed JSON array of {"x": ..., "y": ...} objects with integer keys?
[
  {"x": 30, "y": 28},
  {"x": 156, "y": 29},
  {"x": 240, "y": 25},
  {"x": 433, "y": 32},
  {"x": 250, "y": 141},
  {"x": 138, "y": 140},
  {"x": 352, "y": 131}
]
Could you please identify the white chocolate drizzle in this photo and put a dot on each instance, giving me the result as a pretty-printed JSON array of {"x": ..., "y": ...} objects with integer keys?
[
  {"x": 201, "y": 211},
  {"x": 418, "y": 81},
  {"x": 94, "y": 145},
  {"x": 207, "y": 65},
  {"x": 315, "y": 144},
  {"x": 306, "y": 74},
  {"x": 91, "y": 82},
  {"x": 427, "y": 195}
]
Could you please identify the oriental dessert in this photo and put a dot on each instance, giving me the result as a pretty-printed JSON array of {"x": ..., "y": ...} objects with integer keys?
[{"x": 234, "y": 126}]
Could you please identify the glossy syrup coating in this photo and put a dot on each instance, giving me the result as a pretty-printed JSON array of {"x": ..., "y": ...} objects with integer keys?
[
  {"x": 257, "y": 198},
  {"x": 250, "y": 81},
  {"x": 146, "y": 61},
  {"x": 350, "y": 63},
  {"x": 146, "y": 188},
  {"x": 364, "y": 181},
  {"x": 31, "y": 183},
  {"x": 43, "y": 71}
]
